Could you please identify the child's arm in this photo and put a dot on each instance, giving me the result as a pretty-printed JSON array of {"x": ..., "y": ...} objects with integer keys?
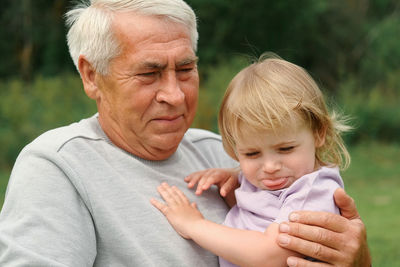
[
  {"x": 241, "y": 247},
  {"x": 226, "y": 180}
]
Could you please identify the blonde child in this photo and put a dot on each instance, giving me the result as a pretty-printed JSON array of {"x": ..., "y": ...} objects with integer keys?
[{"x": 274, "y": 121}]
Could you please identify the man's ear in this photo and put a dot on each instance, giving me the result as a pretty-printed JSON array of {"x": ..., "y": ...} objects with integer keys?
[
  {"x": 320, "y": 137},
  {"x": 88, "y": 76}
]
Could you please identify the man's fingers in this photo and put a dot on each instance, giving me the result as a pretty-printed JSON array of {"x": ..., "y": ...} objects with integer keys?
[
  {"x": 328, "y": 237},
  {"x": 346, "y": 204},
  {"x": 313, "y": 234},
  {"x": 300, "y": 262},
  {"x": 308, "y": 248},
  {"x": 333, "y": 222}
]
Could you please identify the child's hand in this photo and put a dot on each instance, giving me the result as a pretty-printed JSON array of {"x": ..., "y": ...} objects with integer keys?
[
  {"x": 225, "y": 179},
  {"x": 178, "y": 210}
]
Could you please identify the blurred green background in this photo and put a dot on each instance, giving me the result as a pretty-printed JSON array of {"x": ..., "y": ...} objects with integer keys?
[{"x": 351, "y": 47}]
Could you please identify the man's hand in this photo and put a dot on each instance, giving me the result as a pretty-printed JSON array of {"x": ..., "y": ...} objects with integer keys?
[{"x": 333, "y": 239}]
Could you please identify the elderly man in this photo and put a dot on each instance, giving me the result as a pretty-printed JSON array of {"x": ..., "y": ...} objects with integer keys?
[{"x": 79, "y": 195}]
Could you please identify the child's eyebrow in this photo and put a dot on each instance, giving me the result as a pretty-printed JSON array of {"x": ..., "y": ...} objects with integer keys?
[
  {"x": 286, "y": 143},
  {"x": 246, "y": 149}
]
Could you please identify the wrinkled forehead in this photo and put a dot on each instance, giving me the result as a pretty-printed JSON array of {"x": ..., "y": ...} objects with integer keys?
[
  {"x": 131, "y": 29},
  {"x": 147, "y": 41}
]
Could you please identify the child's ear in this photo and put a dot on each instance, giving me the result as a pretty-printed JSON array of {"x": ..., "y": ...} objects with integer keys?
[{"x": 320, "y": 137}]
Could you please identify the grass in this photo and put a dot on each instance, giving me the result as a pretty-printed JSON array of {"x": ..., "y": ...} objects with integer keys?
[
  {"x": 373, "y": 181},
  {"x": 4, "y": 175}
]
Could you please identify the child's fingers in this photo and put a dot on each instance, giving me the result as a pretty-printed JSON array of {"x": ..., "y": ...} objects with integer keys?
[
  {"x": 206, "y": 178},
  {"x": 193, "y": 178},
  {"x": 172, "y": 195},
  {"x": 214, "y": 178},
  {"x": 169, "y": 194},
  {"x": 201, "y": 185},
  {"x": 207, "y": 182},
  {"x": 180, "y": 196},
  {"x": 160, "y": 206},
  {"x": 228, "y": 186}
]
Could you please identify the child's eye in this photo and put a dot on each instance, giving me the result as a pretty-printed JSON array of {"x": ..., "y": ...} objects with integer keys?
[
  {"x": 251, "y": 154},
  {"x": 286, "y": 149}
]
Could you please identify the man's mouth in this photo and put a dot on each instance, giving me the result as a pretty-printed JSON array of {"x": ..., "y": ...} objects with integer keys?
[
  {"x": 171, "y": 123},
  {"x": 169, "y": 118}
]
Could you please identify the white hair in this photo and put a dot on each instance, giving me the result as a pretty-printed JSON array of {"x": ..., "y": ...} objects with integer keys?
[{"x": 90, "y": 26}]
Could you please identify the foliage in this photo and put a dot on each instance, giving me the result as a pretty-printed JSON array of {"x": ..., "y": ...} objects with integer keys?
[
  {"x": 375, "y": 111},
  {"x": 33, "y": 38},
  {"x": 28, "y": 109},
  {"x": 214, "y": 81},
  {"x": 329, "y": 38},
  {"x": 382, "y": 53}
]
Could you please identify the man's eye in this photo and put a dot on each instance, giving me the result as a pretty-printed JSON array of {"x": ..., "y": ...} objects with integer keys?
[
  {"x": 185, "y": 70},
  {"x": 148, "y": 77},
  {"x": 145, "y": 74},
  {"x": 184, "y": 74}
]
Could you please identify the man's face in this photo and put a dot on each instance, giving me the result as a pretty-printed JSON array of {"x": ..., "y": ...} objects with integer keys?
[{"x": 148, "y": 99}]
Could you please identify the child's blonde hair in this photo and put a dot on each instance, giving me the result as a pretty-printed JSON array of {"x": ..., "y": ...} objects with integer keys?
[{"x": 273, "y": 93}]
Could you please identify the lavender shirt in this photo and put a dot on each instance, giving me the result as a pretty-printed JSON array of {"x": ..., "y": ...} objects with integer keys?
[{"x": 256, "y": 209}]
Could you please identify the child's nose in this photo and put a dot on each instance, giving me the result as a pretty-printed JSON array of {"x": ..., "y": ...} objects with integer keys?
[{"x": 271, "y": 165}]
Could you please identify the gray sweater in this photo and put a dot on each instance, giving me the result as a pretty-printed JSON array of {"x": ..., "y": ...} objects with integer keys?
[{"x": 75, "y": 199}]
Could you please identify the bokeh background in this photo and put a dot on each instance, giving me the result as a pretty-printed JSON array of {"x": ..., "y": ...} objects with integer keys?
[{"x": 350, "y": 47}]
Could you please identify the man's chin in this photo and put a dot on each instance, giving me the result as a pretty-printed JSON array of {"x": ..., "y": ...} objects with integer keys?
[{"x": 166, "y": 141}]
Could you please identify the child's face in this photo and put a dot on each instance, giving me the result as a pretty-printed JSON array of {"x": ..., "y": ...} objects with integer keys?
[{"x": 274, "y": 160}]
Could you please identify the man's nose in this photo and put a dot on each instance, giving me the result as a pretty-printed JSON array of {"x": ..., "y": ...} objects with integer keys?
[{"x": 170, "y": 90}]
